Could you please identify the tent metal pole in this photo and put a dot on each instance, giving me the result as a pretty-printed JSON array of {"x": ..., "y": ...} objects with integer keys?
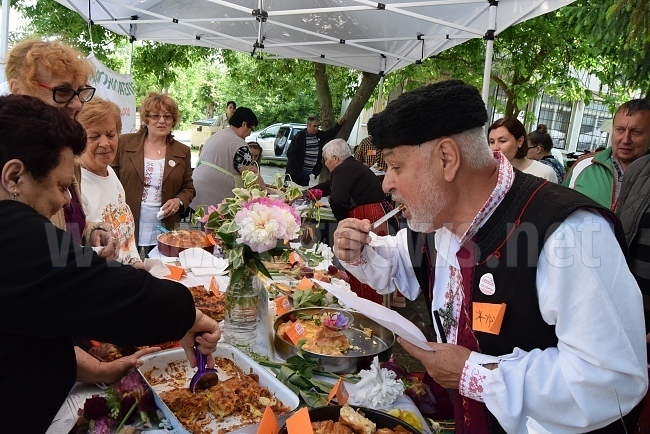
[
  {"x": 128, "y": 68},
  {"x": 380, "y": 91},
  {"x": 4, "y": 36},
  {"x": 489, "y": 50}
]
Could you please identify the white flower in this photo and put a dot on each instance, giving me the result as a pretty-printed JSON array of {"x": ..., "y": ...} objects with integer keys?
[
  {"x": 263, "y": 222},
  {"x": 378, "y": 387}
]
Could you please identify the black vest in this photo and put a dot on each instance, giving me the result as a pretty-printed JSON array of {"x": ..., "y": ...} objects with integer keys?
[{"x": 508, "y": 246}]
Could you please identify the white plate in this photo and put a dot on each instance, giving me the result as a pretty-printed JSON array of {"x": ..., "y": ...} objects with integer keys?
[{"x": 160, "y": 360}]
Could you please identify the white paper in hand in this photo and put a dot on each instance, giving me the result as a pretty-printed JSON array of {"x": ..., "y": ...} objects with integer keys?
[{"x": 388, "y": 318}]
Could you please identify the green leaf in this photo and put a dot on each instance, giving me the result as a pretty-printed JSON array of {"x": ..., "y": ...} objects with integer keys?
[
  {"x": 299, "y": 381},
  {"x": 313, "y": 399},
  {"x": 322, "y": 385},
  {"x": 237, "y": 274},
  {"x": 261, "y": 267}
]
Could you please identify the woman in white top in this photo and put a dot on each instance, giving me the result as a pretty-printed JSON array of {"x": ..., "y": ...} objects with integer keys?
[
  {"x": 103, "y": 197},
  {"x": 155, "y": 170},
  {"x": 508, "y": 135}
]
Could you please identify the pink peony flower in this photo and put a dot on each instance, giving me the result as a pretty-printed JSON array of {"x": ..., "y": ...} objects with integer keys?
[{"x": 264, "y": 221}]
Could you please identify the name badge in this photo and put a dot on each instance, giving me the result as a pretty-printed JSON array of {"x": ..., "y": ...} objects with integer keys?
[
  {"x": 488, "y": 317},
  {"x": 486, "y": 284}
]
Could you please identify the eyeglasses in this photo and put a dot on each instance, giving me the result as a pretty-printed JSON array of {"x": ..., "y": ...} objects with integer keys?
[
  {"x": 156, "y": 117},
  {"x": 64, "y": 95}
]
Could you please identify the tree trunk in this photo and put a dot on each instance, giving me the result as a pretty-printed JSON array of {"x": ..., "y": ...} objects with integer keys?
[
  {"x": 324, "y": 96},
  {"x": 361, "y": 96}
]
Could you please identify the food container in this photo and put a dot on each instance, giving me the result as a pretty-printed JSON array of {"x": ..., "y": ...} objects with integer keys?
[
  {"x": 379, "y": 344},
  {"x": 171, "y": 251},
  {"x": 159, "y": 364},
  {"x": 383, "y": 420}
]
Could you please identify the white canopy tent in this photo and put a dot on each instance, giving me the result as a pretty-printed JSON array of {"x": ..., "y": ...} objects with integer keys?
[{"x": 359, "y": 34}]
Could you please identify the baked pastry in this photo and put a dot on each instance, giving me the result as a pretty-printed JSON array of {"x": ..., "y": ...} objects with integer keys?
[
  {"x": 185, "y": 238},
  {"x": 356, "y": 421}
]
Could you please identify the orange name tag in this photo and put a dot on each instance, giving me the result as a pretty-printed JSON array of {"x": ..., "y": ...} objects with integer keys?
[
  {"x": 211, "y": 239},
  {"x": 294, "y": 257},
  {"x": 487, "y": 317},
  {"x": 371, "y": 152},
  {"x": 296, "y": 332},
  {"x": 175, "y": 272},
  {"x": 340, "y": 392},
  {"x": 300, "y": 423},
  {"x": 269, "y": 423},
  {"x": 282, "y": 305},
  {"x": 214, "y": 286}
]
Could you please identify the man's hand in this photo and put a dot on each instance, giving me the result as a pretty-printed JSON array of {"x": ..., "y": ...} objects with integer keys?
[
  {"x": 203, "y": 335},
  {"x": 350, "y": 237},
  {"x": 107, "y": 240},
  {"x": 445, "y": 364}
]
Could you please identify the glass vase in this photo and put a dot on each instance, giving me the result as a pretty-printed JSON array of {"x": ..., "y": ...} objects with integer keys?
[
  {"x": 310, "y": 233},
  {"x": 242, "y": 310}
]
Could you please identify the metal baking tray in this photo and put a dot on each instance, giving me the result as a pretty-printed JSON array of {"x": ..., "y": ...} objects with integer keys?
[
  {"x": 379, "y": 344},
  {"x": 170, "y": 365}
]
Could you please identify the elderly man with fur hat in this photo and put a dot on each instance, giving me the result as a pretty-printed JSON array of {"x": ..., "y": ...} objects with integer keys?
[{"x": 536, "y": 312}]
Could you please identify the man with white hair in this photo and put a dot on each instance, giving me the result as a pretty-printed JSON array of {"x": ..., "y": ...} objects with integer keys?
[
  {"x": 351, "y": 183},
  {"x": 354, "y": 191},
  {"x": 536, "y": 312}
]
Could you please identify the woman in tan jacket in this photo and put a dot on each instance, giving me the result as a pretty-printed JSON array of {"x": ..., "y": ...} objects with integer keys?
[{"x": 155, "y": 170}]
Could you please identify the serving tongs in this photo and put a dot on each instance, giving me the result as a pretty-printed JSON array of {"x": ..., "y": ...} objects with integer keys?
[{"x": 205, "y": 377}]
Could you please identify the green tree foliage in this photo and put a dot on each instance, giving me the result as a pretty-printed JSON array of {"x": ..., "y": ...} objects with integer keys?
[{"x": 618, "y": 35}]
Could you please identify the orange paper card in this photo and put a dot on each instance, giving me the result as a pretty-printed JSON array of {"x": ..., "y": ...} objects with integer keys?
[
  {"x": 282, "y": 305},
  {"x": 294, "y": 257},
  {"x": 296, "y": 332},
  {"x": 304, "y": 284},
  {"x": 176, "y": 272},
  {"x": 214, "y": 286},
  {"x": 269, "y": 423},
  {"x": 300, "y": 423},
  {"x": 211, "y": 239},
  {"x": 487, "y": 317},
  {"x": 340, "y": 392}
]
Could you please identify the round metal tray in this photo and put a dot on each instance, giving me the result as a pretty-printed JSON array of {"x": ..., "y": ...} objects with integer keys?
[{"x": 379, "y": 344}]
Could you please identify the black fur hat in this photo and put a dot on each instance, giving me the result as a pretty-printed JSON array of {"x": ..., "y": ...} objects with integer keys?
[{"x": 440, "y": 109}]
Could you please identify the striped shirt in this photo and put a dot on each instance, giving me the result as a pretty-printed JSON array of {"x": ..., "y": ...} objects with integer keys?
[{"x": 311, "y": 153}]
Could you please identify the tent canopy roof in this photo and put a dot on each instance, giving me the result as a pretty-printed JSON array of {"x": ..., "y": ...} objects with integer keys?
[{"x": 358, "y": 34}]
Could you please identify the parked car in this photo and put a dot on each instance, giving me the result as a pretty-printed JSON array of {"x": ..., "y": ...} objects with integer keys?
[
  {"x": 200, "y": 132},
  {"x": 269, "y": 137}
]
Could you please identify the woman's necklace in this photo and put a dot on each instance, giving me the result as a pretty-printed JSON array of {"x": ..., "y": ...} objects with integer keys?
[{"x": 157, "y": 148}]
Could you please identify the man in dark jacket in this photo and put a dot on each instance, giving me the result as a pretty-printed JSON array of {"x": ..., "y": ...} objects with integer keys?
[{"x": 305, "y": 153}]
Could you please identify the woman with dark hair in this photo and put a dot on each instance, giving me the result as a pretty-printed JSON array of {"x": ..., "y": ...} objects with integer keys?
[
  {"x": 53, "y": 289},
  {"x": 224, "y": 157},
  {"x": 508, "y": 135},
  {"x": 540, "y": 148},
  {"x": 155, "y": 170}
]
